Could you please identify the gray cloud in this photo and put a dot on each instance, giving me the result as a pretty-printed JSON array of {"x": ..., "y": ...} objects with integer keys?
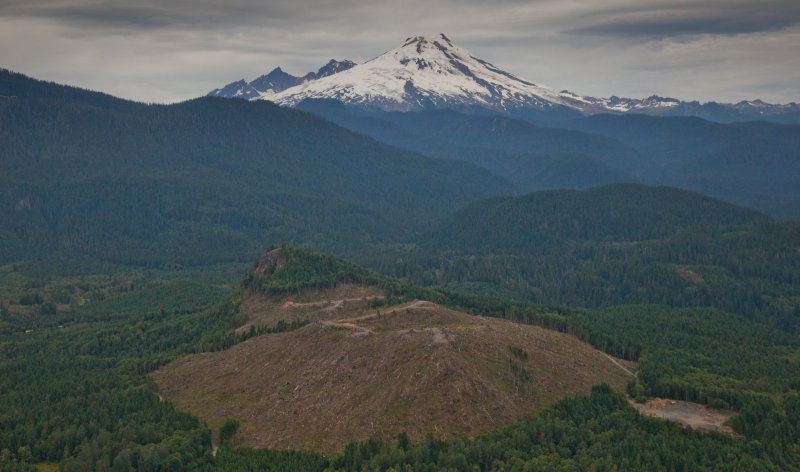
[
  {"x": 652, "y": 18},
  {"x": 168, "y": 50},
  {"x": 658, "y": 21},
  {"x": 149, "y": 15}
]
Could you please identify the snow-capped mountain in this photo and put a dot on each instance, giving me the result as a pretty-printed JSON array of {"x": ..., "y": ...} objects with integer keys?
[
  {"x": 425, "y": 72},
  {"x": 430, "y": 71}
]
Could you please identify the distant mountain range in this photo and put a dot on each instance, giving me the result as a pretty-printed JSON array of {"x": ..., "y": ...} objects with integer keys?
[
  {"x": 431, "y": 72},
  {"x": 277, "y": 81},
  {"x": 756, "y": 164}
]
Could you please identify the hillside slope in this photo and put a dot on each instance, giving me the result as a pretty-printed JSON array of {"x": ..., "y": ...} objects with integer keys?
[
  {"x": 530, "y": 156},
  {"x": 613, "y": 245},
  {"x": 756, "y": 164},
  {"x": 205, "y": 181},
  {"x": 543, "y": 221},
  {"x": 368, "y": 367}
]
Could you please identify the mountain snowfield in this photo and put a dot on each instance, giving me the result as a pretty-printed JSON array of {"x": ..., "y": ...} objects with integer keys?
[
  {"x": 425, "y": 72},
  {"x": 431, "y": 72}
]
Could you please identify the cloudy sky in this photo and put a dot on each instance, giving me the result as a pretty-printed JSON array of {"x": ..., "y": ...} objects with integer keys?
[{"x": 171, "y": 50}]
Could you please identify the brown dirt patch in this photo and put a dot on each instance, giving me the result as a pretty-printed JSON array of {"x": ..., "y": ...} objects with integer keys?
[
  {"x": 696, "y": 416},
  {"x": 308, "y": 305}
]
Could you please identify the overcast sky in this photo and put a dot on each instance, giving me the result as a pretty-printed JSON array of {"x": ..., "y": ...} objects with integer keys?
[{"x": 171, "y": 50}]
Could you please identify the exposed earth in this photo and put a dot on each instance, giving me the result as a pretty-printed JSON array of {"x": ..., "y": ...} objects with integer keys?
[
  {"x": 356, "y": 371},
  {"x": 696, "y": 416}
]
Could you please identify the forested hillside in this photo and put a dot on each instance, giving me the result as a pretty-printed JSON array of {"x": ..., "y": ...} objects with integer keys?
[
  {"x": 754, "y": 164},
  {"x": 201, "y": 182},
  {"x": 530, "y": 156},
  {"x": 613, "y": 245}
]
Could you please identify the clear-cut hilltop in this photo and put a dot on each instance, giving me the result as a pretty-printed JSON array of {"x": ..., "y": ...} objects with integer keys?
[{"x": 359, "y": 366}]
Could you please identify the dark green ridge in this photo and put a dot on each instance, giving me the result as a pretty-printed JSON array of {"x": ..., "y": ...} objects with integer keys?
[{"x": 204, "y": 181}]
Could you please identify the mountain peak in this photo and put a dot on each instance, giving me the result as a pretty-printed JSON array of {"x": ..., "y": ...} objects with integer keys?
[
  {"x": 277, "y": 81},
  {"x": 428, "y": 39},
  {"x": 426, "y": 71},
  {"x": 333, "y": 66}
]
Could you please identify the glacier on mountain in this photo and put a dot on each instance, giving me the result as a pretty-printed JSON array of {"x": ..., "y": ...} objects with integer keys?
[{"x": 431, "y": 72}]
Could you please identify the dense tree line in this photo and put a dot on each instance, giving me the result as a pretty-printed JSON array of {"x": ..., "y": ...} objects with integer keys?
[
  {"x": 91, "y": 412},
  {"x": 301, "y": 268},
  {"x": 599, "y": 432},
  {"x": 621, "y": 244},
  {"x": 77, "y": 394}
]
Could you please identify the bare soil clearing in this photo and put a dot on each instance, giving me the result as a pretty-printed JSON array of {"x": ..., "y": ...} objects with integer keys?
[
  {"x": 357, "y": 372},
  {"x": 309, "y": 304},
  {"x": 696, "y": 416}
]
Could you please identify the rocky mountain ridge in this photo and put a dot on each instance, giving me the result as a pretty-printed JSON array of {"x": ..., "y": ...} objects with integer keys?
[{"x": 277, "y": 81}]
